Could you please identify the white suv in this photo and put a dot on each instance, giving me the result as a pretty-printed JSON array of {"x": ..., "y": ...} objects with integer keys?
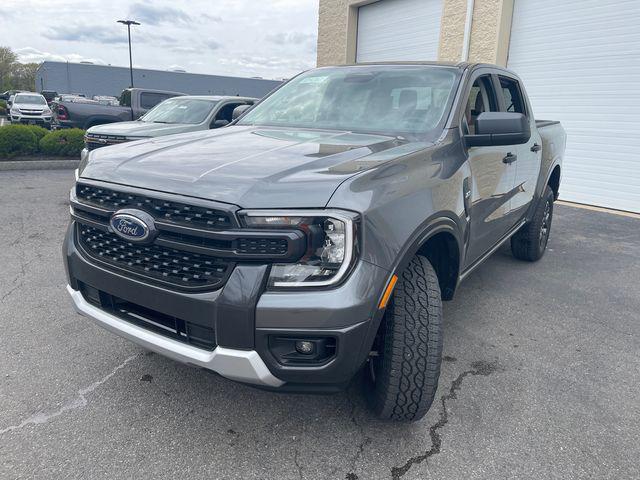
[{"x": 31, "y": 108}]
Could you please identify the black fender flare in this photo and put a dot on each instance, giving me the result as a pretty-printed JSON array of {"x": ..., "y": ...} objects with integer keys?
[
  {"x": 434, "y": 225},
  {"x": 438, "y": 223}
]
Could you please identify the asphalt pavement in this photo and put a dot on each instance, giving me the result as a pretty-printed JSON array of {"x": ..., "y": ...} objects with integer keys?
[{"x": 540, "y": 380}]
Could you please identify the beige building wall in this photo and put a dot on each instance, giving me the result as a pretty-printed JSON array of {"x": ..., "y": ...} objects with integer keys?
[{"x": 489, "y": 39}]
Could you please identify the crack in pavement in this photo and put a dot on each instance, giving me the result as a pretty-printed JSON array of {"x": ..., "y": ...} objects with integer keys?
[
  {"x": 297, "y": 463},
  {"x": 478, "y": 368},
  {"x": 351, "y": 475},
  {"x": 78, "y": 402}
]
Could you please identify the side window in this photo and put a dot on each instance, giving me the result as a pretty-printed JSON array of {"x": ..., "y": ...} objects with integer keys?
[
  {"x": 512, "y": 97},
  {"x": 226, "y": 112},
  {"x": 125, "y": 98},
  {"x": 481, "y": 99},
  {"x": 150, "y": 99}
]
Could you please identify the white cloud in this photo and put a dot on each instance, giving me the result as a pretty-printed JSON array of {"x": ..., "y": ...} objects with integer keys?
[
  {"x": 33, "y": 55},
  {"x": 270, "y": 38}
]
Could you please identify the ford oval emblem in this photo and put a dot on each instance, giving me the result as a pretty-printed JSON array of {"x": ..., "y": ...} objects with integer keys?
[{"x": 133, "y": 225}]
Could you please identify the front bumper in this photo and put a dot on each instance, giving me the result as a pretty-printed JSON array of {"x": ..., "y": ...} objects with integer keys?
[
  {"x": 25, "y": 119},
  {"x": 246, "y": 319},
  {"x": 240, "y": 365}
]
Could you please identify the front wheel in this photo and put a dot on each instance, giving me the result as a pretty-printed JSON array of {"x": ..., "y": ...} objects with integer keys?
[
  {"x": 405, "y": 368},
  {"x": 530, "y": 242}
]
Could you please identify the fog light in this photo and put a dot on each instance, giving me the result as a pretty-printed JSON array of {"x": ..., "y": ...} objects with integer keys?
[{"x": 304, "y": 347}]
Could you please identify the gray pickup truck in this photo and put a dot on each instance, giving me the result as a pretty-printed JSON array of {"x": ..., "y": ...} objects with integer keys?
[
  {"x": 134, "y": 102},
  {"x": 316, "y": 236}
]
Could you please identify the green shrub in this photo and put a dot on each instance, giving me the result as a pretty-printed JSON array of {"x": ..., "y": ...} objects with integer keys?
[
  {"x": 39, "y": 132},
  {"x": 17, "y": 140},
  {"x": 63, "y": 143},
  {"x": 3, "y": 107}
]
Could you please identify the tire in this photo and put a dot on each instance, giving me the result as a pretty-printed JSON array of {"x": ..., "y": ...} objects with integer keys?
[
  {"x": 530, "y": 242},
  {"x": 404, "y": 376}
]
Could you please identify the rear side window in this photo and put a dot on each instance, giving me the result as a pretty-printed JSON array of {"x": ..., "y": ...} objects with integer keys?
[
  {"x": 151, "y": 99},
  {"x": 512, "y": 97},
  {"x": 125, "y": 98}
]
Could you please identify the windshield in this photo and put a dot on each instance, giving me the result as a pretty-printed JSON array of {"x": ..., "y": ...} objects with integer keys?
[
  {"x": 180, "y": 110},
  {"x": 30, "y": 99},
  {"x": 393, "y": 100}
]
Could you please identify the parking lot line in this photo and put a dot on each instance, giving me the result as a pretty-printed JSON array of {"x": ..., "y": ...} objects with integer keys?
[{"x": 599, "y": 209}]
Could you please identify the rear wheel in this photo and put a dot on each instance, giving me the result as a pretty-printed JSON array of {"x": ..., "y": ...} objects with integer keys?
[
  {"x": 404, "y": 371},
  {"x": 530, "y": 242}
]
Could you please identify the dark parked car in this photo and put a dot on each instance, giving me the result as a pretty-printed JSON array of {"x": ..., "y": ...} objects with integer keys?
[
  {"x": 85, "y": 113},
  {"x": 49, "y": 95},
  {"x": 5, "y": 95},
  {"x": 316, "y": 236}
]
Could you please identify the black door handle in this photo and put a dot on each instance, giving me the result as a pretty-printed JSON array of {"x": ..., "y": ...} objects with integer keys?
[
  {"x": 536, "y": 148},
  {"x": 509, "y": 158}
]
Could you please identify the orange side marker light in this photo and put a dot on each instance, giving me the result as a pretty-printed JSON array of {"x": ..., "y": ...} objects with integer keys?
[{"x": 388, "y": 292}]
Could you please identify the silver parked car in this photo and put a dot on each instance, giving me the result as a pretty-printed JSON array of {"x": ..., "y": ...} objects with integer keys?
[{"x": 188, "y": 113}]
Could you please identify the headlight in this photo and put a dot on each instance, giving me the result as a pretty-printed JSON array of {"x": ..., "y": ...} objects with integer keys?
[{"x": 331, "y": 245}]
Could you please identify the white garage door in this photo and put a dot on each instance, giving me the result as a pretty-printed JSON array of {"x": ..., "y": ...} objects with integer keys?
[
  {"x": 580, "y": 63},
  {"x": 399, "y": 30}
]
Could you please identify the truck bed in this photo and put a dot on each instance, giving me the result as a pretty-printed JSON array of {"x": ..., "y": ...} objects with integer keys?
[{"x": 554, "y": 139}]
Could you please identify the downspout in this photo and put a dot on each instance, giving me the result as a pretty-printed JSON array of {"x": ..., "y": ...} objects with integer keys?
[{"x": 466, "y": 42}]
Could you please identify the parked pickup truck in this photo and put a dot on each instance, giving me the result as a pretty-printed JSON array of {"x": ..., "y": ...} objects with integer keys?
[
  {"x": 189, "y": 113},
  {"x": 315, "y": 237},
  {"x": 30, "y": 108},
  {"x": 134, "y": 102}
]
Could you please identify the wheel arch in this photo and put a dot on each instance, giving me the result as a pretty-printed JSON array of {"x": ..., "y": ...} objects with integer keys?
[
  {"x": 440, "y": 240},
  {"x": 554, "y": 181}
]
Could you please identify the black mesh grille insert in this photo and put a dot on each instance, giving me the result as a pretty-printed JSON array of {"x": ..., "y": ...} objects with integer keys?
[
  {"x": 264, "y": 246},
  {"x": 162, "y": 210},
  {"x": 164, "y": 265}
]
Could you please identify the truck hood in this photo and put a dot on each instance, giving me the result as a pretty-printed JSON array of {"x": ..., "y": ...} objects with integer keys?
[
  {"x": 30, "y": 106},
  {"x": 143, "y": 129},
  {"x": 252, "y": 167}
]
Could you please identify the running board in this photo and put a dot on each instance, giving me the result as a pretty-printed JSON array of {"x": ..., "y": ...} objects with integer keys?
[{"x": 475, "y": 264}]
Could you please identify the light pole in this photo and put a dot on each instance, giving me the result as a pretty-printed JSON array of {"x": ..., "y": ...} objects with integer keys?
[{"x": 128, "y": 23}]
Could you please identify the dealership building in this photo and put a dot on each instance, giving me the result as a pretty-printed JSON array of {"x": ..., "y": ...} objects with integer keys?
[
  {"x": 579, "y": 61},
  {"x": 91, "y": 79}
]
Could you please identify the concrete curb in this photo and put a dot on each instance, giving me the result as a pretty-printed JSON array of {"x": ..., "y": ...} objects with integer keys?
[{"x": 49, "y": 164}]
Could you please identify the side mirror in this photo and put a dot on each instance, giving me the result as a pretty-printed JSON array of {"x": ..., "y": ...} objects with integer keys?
[
  {"x": 239, "y": 110},
  {"x": 499, "y": 128},
  {"x": 220, "y": 123}
]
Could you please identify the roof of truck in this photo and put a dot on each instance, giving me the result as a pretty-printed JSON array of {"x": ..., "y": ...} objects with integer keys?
[
  {"x": 217, "y": 97},
  {"x": 460, "y": 65}
]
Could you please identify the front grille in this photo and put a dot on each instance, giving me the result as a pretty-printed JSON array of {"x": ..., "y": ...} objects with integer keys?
[
  {"x": 173, "y": 327},
  {"x": 93, "y": 140},
  {"x": 26, "y": 111},
  {"x": 159, "y": 264},
  {"x": 194, "y": 247},
  {"x": 171, "y": 212}
]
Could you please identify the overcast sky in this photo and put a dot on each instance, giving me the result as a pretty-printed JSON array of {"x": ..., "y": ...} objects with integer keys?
[{"x": 267, "y": 38}]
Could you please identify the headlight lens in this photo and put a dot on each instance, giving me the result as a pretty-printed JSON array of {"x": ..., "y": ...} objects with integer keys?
[{"x": 331, "y": 245}]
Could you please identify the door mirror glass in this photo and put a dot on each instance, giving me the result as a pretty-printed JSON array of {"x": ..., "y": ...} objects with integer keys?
[
  {"x": 239, "y": 110},
  {"x": 220, "y": 123},
  {"x": 499, "y": 128}
]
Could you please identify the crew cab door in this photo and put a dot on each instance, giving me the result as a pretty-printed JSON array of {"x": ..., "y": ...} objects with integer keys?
[
  {"x": 490, "y": 188},
  {"x": 529, "y": 155}
]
